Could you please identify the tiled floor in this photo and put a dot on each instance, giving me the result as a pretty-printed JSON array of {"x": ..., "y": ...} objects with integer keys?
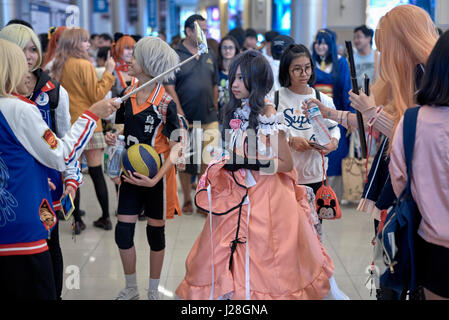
[{"x": 95, "y": 254}]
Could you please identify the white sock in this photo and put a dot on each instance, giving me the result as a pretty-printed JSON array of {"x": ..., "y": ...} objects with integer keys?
[
  {"x": 131, "y": 280},
  {"x": 154, "y": 284}
]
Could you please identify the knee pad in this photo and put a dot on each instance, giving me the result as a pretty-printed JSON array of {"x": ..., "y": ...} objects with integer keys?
[
  {"x": 156, "y": 237},
  {"x": 124, "y": 235}
]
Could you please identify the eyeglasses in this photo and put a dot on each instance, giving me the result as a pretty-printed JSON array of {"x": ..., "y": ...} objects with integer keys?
[
  {"x": 230, "y": 48},
  {"x": 298, "y": 71}
]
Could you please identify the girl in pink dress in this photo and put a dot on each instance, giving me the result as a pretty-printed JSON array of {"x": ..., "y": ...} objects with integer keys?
[{"x": 258, "y": 241}]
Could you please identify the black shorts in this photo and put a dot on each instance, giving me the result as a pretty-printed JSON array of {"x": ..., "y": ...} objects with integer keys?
[
  {"x": 432, "y": 267},
  {"x": 133, "y": 199}
]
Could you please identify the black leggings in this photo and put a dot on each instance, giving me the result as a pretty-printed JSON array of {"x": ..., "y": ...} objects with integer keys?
[
  {"x": 76, "y": 203},
  {"x": 101, "y": 190},
  {"x": 54, "y": 248}
]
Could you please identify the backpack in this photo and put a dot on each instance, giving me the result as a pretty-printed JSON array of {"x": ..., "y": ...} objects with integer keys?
[
  {"x": 44, "y": 80},
  {"x": 53, "y": 95},
  {"x": 276, "y": 97},
  {"x": 398, "y": 235}
]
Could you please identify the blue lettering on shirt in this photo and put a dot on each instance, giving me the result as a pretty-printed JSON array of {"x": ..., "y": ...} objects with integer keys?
[{"x": 297, "y": 122}]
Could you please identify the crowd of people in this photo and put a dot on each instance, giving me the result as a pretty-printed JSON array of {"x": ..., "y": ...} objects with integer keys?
[{"x": 252, "y": 157}]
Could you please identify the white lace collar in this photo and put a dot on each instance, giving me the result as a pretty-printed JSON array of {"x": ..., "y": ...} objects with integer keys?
[{"x": 268, "y": 125}]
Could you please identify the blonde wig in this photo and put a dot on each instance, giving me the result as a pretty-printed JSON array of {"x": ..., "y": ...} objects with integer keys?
[
  {"x": 405, "y": 37},
  {"x": 13, "y": 67},
  {"x": 21, "y": 35},
  {"x": 155, "y": 57},
  {"x": 69, "y": 47}
]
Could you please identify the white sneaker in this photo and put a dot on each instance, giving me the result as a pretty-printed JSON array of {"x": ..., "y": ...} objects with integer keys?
[
  {"x": 153, "y": 295},
  {"x": 128, "y": 294}
]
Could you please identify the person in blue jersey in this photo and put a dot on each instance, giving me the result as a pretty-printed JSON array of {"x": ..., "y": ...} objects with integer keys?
[
  {"x": 53, "y": 103},
  {"x": 333, "y": 78},
  {"x": 27, "y": 149}
]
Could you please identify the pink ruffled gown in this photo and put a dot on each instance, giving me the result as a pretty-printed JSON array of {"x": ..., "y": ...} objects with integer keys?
[{"x": 259, "y": 243}]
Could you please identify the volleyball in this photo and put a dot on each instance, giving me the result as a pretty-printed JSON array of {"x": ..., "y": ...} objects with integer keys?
[{"x": 141, "y": 158}]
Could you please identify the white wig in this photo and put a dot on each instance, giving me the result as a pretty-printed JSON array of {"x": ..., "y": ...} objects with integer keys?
[{"x": 155, "y": 57}]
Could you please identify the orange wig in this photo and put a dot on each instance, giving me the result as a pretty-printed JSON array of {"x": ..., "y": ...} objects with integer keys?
[
  {"x": 53, "y": 44},
  {"x": 119, "y": 46},
  {"x": 405, "y": 37}
]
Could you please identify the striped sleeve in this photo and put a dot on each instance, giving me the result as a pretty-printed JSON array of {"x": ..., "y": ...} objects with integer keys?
[
  {"x": 73, "y": 176},
  {"x": 37, "y": 138}
]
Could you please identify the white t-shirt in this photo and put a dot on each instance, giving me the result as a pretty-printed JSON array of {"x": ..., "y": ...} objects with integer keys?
[{"x": 308, "y": 164}]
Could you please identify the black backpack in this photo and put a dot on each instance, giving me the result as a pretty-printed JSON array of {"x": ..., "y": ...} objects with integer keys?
[
  {"x": 398, "y": 236},
  {"x": 53, "y": 94},
  {"x": 54, "y": 102}
]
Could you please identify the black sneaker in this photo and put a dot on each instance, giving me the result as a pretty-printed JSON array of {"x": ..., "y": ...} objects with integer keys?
[
  {"x": 82, "y": 213},
  {"x": 103, "y": 223},
  {"x": 79, "y": 226}
]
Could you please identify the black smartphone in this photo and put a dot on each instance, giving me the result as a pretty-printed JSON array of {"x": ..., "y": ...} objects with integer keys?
[{"x": 317, "y": 146}]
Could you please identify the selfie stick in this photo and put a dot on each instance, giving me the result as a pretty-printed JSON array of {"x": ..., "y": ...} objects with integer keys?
[
  {"x": 366, "y": 84},
  {"x": 202, "y": 49},
  {"x": 355, "y": 89}
]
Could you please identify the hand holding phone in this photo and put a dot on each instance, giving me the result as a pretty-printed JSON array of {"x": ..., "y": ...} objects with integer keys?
[{"x": 317, "y": 146}]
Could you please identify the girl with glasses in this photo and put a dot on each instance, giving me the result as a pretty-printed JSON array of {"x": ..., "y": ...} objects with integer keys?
[
  {"x": 227, "y": 50},
  {"x": 296, "y": 76}
]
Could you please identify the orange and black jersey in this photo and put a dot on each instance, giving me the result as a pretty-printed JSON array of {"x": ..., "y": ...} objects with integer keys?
[{"x": 145, "y": 124}]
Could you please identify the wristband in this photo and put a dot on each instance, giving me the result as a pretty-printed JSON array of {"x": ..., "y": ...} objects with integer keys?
[{"x": 374, "y": 118}]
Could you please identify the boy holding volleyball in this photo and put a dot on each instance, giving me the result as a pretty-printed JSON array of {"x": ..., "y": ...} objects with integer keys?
[{"x": 149, "y": 117}]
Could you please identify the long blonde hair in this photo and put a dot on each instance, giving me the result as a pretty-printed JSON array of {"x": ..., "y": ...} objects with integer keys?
[
  {"x": 21, "y": 35},
  {"x": 405, "y": 37},
  {"x": 69, "y": 47},
  {"x": 13, "y": 67}
]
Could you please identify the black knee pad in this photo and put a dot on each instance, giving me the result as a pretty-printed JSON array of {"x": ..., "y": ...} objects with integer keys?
[
  {"x": 156, "y": 237},
  {"x": 124, "y": 235}
]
